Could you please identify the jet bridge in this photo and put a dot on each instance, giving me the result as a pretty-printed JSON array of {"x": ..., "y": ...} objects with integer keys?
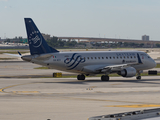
[{"x": 150, "y": 114}]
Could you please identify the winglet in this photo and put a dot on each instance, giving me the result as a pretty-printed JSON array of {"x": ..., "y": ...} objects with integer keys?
[{"x": 19, "y": 53}]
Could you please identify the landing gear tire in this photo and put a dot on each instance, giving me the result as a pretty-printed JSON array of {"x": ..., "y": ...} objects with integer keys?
[
  {"x": 138, "y": 77},
  {"x": 81, "y": 77},
  {"x": 104, "y": 78}
]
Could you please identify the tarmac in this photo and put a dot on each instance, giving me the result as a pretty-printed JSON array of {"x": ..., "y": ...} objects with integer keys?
[
  {"x": 24, "y": 95},
  {"x": 21, "y": 69}
]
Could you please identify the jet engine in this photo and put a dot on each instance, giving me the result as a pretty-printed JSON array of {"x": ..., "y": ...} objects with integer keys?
[{"x": 128, "y": 72}]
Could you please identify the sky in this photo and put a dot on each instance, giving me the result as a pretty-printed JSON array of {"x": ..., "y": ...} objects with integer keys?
[{"x": 124, "y": 19}]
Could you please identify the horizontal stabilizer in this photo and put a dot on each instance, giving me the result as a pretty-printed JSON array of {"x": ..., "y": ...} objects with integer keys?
[{"x": 15, "y": 55}]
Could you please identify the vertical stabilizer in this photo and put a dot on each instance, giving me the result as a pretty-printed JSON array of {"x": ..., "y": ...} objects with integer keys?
[{"x": 37, "y": 43}]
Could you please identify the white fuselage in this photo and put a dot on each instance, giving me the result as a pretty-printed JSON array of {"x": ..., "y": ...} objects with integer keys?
[{"x": 89, "y": 62}]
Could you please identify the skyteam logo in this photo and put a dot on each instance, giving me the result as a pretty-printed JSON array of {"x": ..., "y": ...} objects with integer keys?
[
  {"x": 74, "y": 61},
  {"x": 35, "y": 39}
]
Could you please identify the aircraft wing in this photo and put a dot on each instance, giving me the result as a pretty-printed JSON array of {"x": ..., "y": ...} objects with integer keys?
[{"x": 119, "y": 67}]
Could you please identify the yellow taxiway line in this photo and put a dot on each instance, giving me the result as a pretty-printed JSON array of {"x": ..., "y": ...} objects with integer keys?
[
  {"x": 135, "y": 106},
  {"x": 17, "y": 92}
]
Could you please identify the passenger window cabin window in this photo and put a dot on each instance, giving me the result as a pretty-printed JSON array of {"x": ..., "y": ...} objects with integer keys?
[
  {"x": 124, "y": 56},
  {"x": 106, "y": 57},
  {"x": 134, "y": 56},
  {"x": 110, "y": 57},
  {"x": 95, "y": 58},
  {"x": 131, "y": 56},
  {"x": 121, "y": 57},
  {"x": 117, "y": 57},
  {"x": 102, "y": 57},
  {"x": 98, "y": 57},
  {"x": 88, "y": 57},
  {"x": 91, "y": 57},
  {"x": 127, "y": 56},
  {"x": 113, "y": 57}
]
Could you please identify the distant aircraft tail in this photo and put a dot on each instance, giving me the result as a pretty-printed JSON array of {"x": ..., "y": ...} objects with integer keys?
[{"x": 37, "y": 43}]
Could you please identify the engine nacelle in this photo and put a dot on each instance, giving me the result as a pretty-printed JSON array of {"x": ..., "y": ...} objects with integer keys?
[{"x": 128, "y": 72}]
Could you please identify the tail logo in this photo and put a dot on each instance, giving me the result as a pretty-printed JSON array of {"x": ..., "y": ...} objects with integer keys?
[
  {"x": 35, "y": 39},
  {"x": 74, "y": 61}
]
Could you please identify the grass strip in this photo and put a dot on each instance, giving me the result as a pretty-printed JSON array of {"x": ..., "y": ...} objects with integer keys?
[
  {"x": 158, "y": 66},
  {"x": 110, "y": 75},
  {"x": 13, "y": 52},
  {"x": 7, "y": 58},
  {"x": 42, "y": 68}
]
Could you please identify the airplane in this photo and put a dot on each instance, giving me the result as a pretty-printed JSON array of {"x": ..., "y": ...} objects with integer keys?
[{"x": 85, "y": 63}]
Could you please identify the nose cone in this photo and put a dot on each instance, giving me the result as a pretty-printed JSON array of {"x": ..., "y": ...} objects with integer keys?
[{"x": 152, "y": 64}]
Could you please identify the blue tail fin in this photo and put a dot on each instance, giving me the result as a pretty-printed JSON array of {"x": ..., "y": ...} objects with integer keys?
[{"x": 37, "y": 43}]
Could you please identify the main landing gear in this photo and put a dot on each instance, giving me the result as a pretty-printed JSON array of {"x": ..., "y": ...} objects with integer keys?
[
  {"x": 104, "y": 78},
  {"x": 138, "y": 75},
  {"x": 81, "y": 77}
]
